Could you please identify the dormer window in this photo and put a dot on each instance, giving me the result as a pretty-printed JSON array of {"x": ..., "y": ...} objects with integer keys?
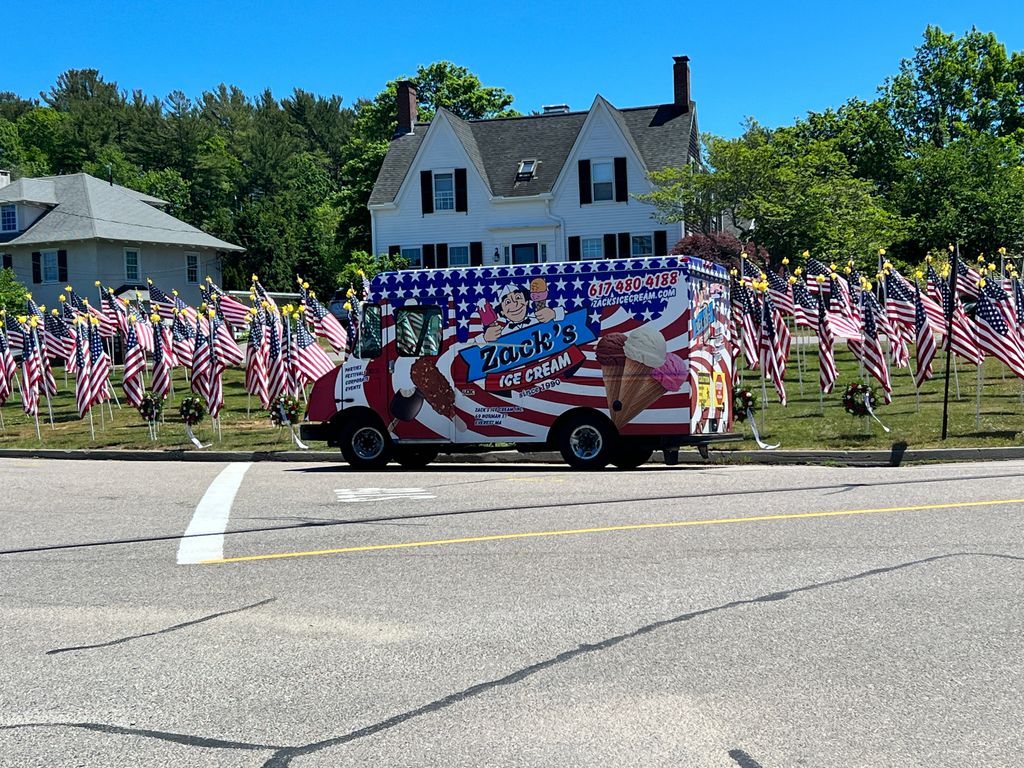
[
  {"x": 8, "y": 218},
  {"x": 526, "y": 170}
]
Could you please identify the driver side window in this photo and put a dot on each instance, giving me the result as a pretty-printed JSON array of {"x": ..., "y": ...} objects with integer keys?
[{"x": 369, "y": 332}]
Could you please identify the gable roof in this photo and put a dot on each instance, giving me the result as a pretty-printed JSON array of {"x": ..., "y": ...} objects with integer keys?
[
  {"x": 83, "y": 207},
  {"x": 661, "y": 135}
]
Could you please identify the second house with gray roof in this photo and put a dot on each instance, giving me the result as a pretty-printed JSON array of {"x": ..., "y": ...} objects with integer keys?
[{"x": 558, "y": 186}]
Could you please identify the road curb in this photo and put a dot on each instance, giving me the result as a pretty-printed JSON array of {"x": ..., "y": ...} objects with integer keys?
[{"x": 877, "y": 458}]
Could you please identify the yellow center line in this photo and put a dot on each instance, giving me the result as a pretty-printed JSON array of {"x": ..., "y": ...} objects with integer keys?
[{"x": 609, "y": 529}]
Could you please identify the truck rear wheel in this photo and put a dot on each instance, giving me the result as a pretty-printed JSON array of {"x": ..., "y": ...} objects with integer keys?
[
  {"x": 586, "y": 441},
  {"x": 364, "y": 443},
  {"x": 631, "y": 456},
  {"x": 415, "y": 456}
]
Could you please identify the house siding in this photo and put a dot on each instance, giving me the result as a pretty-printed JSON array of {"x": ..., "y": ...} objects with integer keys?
[
  {"x": 92, "y": 260},
  {"x": 500, "y": 223}
]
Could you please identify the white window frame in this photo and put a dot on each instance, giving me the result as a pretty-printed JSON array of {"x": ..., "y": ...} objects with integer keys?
[
  {"x": 4, "y": 209},
  {"x": 632, "y": 245},
  {"x": 591, "y": 240},
  {"x": 418, "y": 264},
  {"x": 138, "y": 263},
  {"x": 42, "y": 266},
  {"x": 451, "y": 259},
  {"x": 190, "y": 255},
  {"x": 450, "y": 172},
  {"x": 610, "y": 162}
]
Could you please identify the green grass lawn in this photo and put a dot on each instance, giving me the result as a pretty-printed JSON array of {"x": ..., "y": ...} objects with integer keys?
[{"x": 801, "y": 424}]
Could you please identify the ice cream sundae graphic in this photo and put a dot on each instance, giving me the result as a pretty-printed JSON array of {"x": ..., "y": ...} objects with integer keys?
[{"x": 518, "y": 308}]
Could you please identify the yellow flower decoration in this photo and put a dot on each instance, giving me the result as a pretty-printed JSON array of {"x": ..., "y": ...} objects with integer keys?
[
  {"x": 94, "y": 320},
  {"x": 881, "y": 251},
  {"x": 154, "y": 318},
  {"x": 981, "y": 258},
  {"x": 733, "y": 272},
  {"x": 848, "y": 270},
  {"x": 53, "y": 312},
  {"x": 174, "y": 291},
  {"x": 785, "y": 260},
  {"x": 305, "y": 286},
  {"x": 22, "y": 319},
  {"x": 42, "y": 307},
  {"x": 887, "y": 265},
  {"x": 820, "y": 279},
  {"x": 85, "y": 301},
  {"x": 1002, "y": 250},
  {"x": 28, "y": 295},
  {"x": 149, "y": 281},
  {"x": 928, "y": 258},
  {"x": 131, "y": 319},
  {"x": 67, "y": 288},
  {"x": 834, "y": 276},
  {"x": 798, "y": 271},
  {"x": 202, "y": 307},
  {"x": 34, "y": 321},
  {"x": 255, "y": 279},
  {"x": 62, "y": 297},
  {"x": 992, "y": 266},
  {"x": 97, "y": 283},
  {"x": 982, "y": 283},
  {"x": 348, "y": 306},
  {"x": 806, "y": 254}
]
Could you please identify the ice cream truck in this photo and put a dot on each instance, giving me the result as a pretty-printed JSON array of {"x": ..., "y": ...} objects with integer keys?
[{"x": 605, "y": 361}]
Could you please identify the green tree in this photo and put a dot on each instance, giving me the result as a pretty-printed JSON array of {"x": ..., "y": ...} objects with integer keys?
[{"x": 12, "y": 293}]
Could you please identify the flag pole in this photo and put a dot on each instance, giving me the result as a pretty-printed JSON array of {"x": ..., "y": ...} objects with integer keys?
[
  {"x": 92, "y": 427},
  {"x": 949, "y": 338},
  {"x": 39, "y": 437},
  {"x": 977, "y": 398},
  {"x": 2, "y": 425}
]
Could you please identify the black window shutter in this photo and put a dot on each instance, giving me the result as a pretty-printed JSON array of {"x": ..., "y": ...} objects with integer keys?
[
  {"x": 37, "y": 267},
  {"x": 62, "y": 266},
  {"x": 624, "y": 250},
  {"x": 441, "y": 249},
  {"x": 427, "y": 191},
  {"x": 621, "y": 184},
  {"x": 428, "y": 256},
  {"x": 461, "y": 202},
  {"x": 575, "y": 252},
  {"x": 476, "y": 254},
  {"x": 8, "y": 261},
  {"x": 394, "y": 250},
  {"x": 586, "y": 191},
  {"x": 660, "y": 242},
  {"x": 609, "y": 247}
]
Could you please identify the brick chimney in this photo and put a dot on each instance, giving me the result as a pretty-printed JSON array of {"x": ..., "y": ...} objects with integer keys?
[
  {"x": 406, "y": 107},
  {"x": 681, "y": 81}
]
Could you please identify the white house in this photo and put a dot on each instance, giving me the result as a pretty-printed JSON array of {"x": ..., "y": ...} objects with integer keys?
[
  {"x": 552, "y": 187},
  {"x": 78, "y": 229}
]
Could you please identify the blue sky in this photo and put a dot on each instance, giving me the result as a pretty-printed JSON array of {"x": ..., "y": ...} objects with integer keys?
[{"x": 774, "y": 61}]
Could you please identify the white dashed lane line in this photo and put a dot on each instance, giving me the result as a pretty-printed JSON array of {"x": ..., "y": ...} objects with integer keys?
[{"x": 204, "y": 537}]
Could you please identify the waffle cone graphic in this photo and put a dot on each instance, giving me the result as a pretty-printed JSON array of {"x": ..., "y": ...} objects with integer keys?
[
  {"x": 639, "y": 390},
  {"x": 612, "y": 374}
]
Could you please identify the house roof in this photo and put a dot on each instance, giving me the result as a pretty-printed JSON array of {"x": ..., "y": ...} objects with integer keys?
[
  {"x": 83, "y": 207},
  {"x": 661, "y": 135}
]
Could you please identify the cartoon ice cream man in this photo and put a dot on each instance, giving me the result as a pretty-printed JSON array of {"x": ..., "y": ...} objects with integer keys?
[{"x": 518, "y": 308}]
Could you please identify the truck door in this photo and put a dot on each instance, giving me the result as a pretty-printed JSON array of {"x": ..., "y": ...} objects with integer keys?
[
  {"x": 421, "y": 403},
  {"x": 370, "y": 352}
]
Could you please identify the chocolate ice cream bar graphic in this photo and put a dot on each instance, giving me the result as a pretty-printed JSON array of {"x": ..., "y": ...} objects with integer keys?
[
  {"x": 539, "y": 293},
  {"x": 435, "y": 389}
]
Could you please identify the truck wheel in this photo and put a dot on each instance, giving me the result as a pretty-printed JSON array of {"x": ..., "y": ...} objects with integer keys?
[
  {"x": 415, "y": 456},
  {"x": 631, "y": 456},
  {"x": 586, "y": 441},
  {"x": 364, "y": 443}
]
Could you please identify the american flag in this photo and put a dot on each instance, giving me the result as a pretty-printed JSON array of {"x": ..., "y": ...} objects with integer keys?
[
  {"x": 143, "y": 330},
  {"x": 967, "y": 279},
  {"x": 841, "y": 315},
  {"x": 201, "y": 362},
  {"x": 899, "y": 300},
  {"x": 59, "y": 338},
  {"x": 75, "y": 300},
  {"x": 165, "y": 305},
  {"x": 234, "y": 312},
  {"x": 114, "y": 309},
  {"x": 747, "y": 316},
  {"x": 215, "y": 377},
  {"x": 134, "y": 367},
  {"x": 99, "y": 367},
  {"x": 963, "y": 342},
  {"x": 291, "y": 379},
  {"x": 33, "y": 308},
  {"x": 870, "y": 350},
  {"x": 1018, "y": 298},
  {"x": 257, "y": 286},
  {"x": 183, "y": 339},
  {"x": 325, "y": 324},
  {"x": 83, "y": 388},
  {"x": 773, "y": 360},
  {"x": 813, "y": 268},
  {"x": 778, "y": 287},
  {"x": 311, "y": 362},
  {"x": 162, "y": 362},
  {"x": 805, "y": 308},
  {"x": 996, "y": 337},
  {"x": 827, "y": 371},
  {"x": 749, "y": 272},
  {"x": 925, "y": 341},
  {"x": 32, "y": 374},
  {"x": 998, "y": 296},
  {"x": 8, "y": 368},
  {"x": 15, "y": 333},
  {"x": 227, "y": 351},
  {"x": 275, "y": 360},
  {"x": 256, "y": 382},
  {"x": 49, "y": 384}
]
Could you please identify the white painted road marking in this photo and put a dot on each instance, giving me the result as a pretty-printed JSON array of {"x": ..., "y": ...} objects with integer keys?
[
  {"x": 204, "y": 537},
  {"x": 357, "y": 495}
]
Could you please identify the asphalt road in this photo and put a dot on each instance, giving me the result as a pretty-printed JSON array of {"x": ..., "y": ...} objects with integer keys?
[{"x": 510, "y": 616}]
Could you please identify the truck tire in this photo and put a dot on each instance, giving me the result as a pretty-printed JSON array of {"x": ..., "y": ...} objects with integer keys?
[
  {"x": 631, "y": 456},
  {"x": 414, "y": 456},
  {"x": 586, "y": 441},
  {"x": 364, "y": 443}
]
